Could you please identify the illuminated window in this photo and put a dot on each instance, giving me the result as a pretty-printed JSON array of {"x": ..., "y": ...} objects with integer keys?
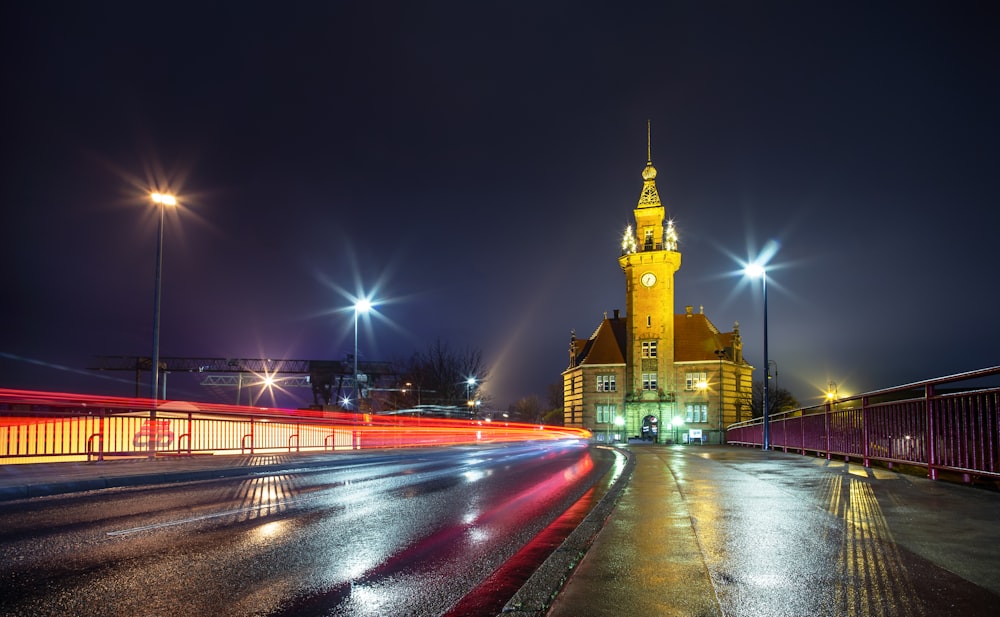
[
  {"x": 697, "y": 412},
  {"x": 691, "y": 380},
  {"x": 606, "y": 383},
  {"x": 649, "y": 381},
  {"x": 647, "y": 242},
  {"x": 649, "y": 349},
  {"x": 606, "y": 413}
]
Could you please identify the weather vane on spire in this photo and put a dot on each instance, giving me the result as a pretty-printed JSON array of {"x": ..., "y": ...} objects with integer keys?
[{"x": 649, "y": 146}]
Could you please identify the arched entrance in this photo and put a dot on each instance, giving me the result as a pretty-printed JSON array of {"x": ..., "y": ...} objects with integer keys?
[{"x": 650, "y": 429}]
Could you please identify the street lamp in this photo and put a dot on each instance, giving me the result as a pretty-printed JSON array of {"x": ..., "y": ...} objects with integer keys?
[
  {"x": 161, "y": 200},
  {"x": 620, "y": 424},
  {"x": 361, "y": 306},
  {"x": 469, "y": 383},
  {"x": 677, "y": 422},
  {"x": 753, "y": 271},
  {"x": 831, "y": 392}
]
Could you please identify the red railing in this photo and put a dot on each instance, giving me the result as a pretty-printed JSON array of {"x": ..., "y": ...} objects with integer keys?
[
  {"x": 946, "y": 424},
  {"x": 46, "y": 426}
]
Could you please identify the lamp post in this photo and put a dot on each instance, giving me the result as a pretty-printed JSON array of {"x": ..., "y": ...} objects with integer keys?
[
  {"x": 161, "y": 200},
  {"x": 361, "y": 306},
  {"x": 619, "y": 424},
  {"x": 469, "y": 383},
  {"x": 677, "y": 422},
  {"x": 754, "y": 271}
]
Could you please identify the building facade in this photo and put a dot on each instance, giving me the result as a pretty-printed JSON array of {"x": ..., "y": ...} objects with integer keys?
[{"x": 654, "y": 374}]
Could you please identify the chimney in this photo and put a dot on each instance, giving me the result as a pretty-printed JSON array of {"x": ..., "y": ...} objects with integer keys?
[
  {"x": 616, "y": 313},
  {"x": 688, "y": 309}
]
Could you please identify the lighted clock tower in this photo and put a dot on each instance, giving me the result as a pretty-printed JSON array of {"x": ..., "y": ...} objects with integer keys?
[{"x": 649, "y": 259}]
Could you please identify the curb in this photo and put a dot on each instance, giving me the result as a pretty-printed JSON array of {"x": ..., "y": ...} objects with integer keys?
[{"x": 535, "y": 597}]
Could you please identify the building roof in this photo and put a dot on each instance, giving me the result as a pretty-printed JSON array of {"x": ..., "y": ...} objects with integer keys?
[
  {"x": 696, "y": 338},
  {"x": 606, "y": 345}
]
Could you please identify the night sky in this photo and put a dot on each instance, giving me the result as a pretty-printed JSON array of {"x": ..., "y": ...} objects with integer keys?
[{"x": 473, "y": 165}]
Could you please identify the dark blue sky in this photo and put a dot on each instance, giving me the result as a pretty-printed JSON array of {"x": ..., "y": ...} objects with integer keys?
[{"x": 474, "y": 164}]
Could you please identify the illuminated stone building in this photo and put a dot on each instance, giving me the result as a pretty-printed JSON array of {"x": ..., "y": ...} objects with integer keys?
[{"x": 652, "y": 373}]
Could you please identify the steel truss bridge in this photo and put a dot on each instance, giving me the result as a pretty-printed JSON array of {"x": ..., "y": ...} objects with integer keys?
[{"x": 329, "y": 379}]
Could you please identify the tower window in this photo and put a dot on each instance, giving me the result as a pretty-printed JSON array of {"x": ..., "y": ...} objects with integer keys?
[
  {"x": 649, "y": 321},
  {"x": 649, "y": 349},
  {"x": 649, "y": 381},
  {"x": 647, "y": 241}
]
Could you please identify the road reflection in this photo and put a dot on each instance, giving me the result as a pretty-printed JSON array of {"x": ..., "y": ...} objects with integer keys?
[{"x": 869, "y": 558}]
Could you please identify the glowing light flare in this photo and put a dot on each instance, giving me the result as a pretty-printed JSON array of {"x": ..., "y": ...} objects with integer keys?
[
  {"x": 754, "y": 270},
  {"x": 163, "y": 199},
  {"x": 670, "y": 236},
  {"x": 629, "y": 245}
]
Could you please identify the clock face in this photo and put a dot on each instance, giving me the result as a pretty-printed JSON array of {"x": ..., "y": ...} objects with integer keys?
[{"x": 648, "y": 279}]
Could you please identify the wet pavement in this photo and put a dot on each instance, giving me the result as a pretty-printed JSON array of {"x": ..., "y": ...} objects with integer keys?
[{"x": 705, "y": 531}]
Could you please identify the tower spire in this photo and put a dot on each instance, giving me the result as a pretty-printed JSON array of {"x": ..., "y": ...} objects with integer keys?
[{"x": 649, "y": 197}]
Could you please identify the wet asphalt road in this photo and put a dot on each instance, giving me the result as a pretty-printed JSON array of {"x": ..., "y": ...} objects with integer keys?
[{"x": 404, "y": 534}]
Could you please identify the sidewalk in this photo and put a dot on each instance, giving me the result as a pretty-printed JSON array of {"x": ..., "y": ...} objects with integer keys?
[{"x": 714, "y": 530}]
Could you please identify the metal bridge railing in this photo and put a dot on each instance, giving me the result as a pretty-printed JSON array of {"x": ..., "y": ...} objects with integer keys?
[
  {"x": 939, "y": 424},
  {"x": 45, "y": 426}
]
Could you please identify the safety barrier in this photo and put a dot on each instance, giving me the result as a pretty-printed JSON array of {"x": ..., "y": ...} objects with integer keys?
[
  {"x": 46, "y": 426},
  {"x": 945, "y": 424}
]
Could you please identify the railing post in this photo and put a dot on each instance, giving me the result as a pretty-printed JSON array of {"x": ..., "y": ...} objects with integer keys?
[
  {"x": 931, "y": 445},
  {"x": 865, "y": 433},
  {"x": 826, "y": 423}
]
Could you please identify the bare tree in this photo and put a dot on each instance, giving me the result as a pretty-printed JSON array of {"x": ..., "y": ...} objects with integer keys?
[
  {"x": 778, "y": 400},
  {"x": 527, "y": 409},
  {"x": 441, "y": 376}
]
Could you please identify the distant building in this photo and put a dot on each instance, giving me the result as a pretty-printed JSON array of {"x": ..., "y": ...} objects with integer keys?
[{"x": 654, "y": 374}]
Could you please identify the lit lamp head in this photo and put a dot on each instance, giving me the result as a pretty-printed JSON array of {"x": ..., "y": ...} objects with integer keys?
[
  {"x": 163, "y": 199},
  {"x": 754, "y": 271}
]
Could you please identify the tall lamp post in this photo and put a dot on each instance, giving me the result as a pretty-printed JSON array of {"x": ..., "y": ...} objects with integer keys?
[
  {"x": 361, "y": 306},
  {"x": 161, "y": 200},
  {"x": 754, "y": 271}
]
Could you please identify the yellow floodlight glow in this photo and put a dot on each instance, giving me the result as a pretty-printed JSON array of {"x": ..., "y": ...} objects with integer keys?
[{"x": 164, "y": 199}]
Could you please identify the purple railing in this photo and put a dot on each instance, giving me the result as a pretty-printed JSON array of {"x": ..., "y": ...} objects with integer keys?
[{"x": 946, "y": 424}]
